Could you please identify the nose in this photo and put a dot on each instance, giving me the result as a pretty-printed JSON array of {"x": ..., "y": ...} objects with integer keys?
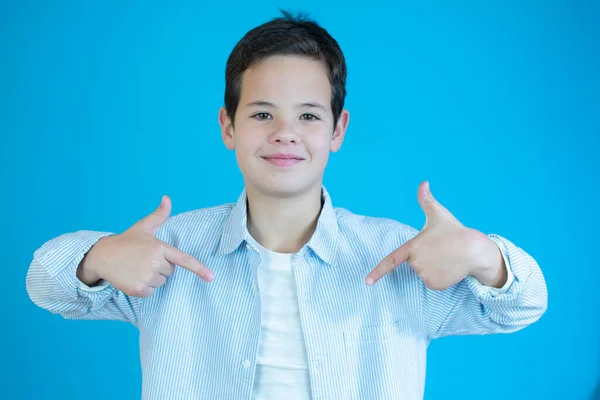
[{"x": 285, "y": 133}]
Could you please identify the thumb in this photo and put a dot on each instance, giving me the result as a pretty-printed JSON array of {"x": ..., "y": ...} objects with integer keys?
[
  {"x": 433, "y": 210},
  {"x": 152, "y": 222}
]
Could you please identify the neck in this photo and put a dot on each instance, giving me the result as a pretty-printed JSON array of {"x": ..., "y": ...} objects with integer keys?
[{"x": 283, "y": 224}]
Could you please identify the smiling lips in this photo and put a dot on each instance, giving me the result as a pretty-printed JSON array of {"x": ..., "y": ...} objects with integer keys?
[{"x": 283, "y": 160}]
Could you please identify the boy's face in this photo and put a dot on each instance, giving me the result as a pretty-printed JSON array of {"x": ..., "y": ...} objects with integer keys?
[{"x": 284, "y": 111}]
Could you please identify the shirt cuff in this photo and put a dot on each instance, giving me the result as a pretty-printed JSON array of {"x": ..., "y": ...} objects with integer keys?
[
  {"x": 102, "y": 284},
  {"x": 510, "y": 277}
]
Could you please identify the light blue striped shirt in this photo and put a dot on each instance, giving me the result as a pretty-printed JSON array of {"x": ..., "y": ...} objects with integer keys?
[{"x": 199, "y": 340}]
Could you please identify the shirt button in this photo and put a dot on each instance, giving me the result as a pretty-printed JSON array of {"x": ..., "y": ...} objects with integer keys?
[
  {"x": 246, "y": 363},
  {"x": 254, "y": 286}
]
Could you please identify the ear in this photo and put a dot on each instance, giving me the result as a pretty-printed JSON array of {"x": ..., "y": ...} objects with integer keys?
[
  {"x": 226, "y": 129},
  {"x": 340, "y": 131}
]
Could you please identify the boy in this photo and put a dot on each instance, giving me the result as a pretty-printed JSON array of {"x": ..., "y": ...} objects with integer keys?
[{"x": 281, "y": 295}]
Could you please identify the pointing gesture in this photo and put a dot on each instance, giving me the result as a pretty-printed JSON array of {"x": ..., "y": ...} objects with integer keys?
[
  {"x": 135, "y": 261},
  {"x": 444, "y": 252}
]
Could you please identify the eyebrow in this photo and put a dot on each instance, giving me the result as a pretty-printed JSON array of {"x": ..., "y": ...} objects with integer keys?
[
  {"x": 313, "y": 105},
  {"x": 261, "y": 103}
]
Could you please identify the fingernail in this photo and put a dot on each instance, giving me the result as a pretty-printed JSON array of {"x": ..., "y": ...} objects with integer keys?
[
  {"x": 210, "y": 276},
  {"x": 370, "y": 281}
]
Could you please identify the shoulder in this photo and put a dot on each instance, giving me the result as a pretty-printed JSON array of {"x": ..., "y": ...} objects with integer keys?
[
  {"x": 349, "y": 220},
  {"x": 384, "y": 233},
  {"x": 196, "y": 223},
  {"x": 202, "y": 215}
]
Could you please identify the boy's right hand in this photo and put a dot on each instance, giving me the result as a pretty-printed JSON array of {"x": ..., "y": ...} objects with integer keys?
[{"x": 135, "y": 261}]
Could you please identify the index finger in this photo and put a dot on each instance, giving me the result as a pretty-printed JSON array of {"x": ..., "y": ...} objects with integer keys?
[
  {"x": 390, "y": 262},
  {"x": 184, "y": 260}
]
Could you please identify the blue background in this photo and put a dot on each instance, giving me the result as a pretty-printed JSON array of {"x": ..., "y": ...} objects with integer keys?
[{"x": 105, "y": 106}]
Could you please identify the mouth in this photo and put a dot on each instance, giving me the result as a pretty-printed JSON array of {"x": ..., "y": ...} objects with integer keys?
[{"x": 283, "y": 160}]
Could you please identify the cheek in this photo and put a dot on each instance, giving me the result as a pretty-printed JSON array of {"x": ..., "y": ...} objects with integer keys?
[
  {"x": 319, "y": 143},
  {"x": 319, "y": 151},
  {"x": 248, "y": 142}
]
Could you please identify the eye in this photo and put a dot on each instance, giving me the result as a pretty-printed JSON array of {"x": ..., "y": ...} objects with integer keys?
[
  {"x": 261, "y": 116},
  {"x": 309, "y": 117}
]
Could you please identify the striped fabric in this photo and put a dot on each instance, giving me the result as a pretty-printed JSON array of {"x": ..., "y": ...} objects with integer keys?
[{"x": 199, "y": 340}]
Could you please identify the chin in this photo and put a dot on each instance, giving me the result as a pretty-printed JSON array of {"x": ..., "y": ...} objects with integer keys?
[{"x": 288, "y": 187}]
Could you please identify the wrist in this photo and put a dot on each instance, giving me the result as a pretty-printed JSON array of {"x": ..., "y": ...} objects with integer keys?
[
  {"x": 492, "y": 270},
  {"x": 88, "y": 271}
]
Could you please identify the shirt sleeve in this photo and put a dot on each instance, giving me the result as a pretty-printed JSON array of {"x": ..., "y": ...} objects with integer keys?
[
  {"x": 471, "y": 308},
  {"x": 52, "y": 282}
]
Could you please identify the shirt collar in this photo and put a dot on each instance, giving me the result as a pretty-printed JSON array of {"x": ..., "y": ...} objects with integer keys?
[{"x": 323, "y": 241}]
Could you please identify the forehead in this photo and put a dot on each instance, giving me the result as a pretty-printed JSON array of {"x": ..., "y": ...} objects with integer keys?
[{"x": 286, "y": 79}]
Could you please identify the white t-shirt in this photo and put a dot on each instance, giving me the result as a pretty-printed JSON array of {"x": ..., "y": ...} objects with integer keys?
[{"x": 281, "y": 365}]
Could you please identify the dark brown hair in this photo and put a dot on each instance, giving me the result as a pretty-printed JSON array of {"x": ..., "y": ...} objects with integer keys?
[{"x": 287, "y": 35}]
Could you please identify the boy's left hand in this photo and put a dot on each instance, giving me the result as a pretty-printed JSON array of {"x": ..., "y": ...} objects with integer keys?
[{"x": 444, "y": 252}]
